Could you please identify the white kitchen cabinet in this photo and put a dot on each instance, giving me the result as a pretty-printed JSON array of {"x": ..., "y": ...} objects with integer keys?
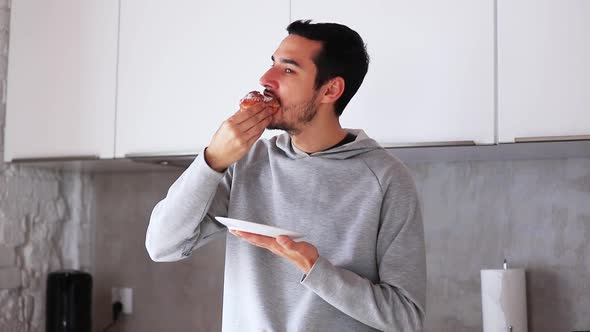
[
  {"x": 543, "y": 69},
  {"x": 184, "y": 65},
  {"x": 431, "y": 76},
  {"x": 61, "y": 79}
]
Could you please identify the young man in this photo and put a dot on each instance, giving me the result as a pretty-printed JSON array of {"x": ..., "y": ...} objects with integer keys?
[{"x": 362, "y": 264}]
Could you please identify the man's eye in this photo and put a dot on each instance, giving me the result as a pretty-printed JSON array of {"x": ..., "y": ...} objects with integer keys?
[{"x": 289, "y": 70}]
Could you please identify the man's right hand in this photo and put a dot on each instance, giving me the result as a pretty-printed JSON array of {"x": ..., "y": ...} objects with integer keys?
[{"x": 236, "y": 135}]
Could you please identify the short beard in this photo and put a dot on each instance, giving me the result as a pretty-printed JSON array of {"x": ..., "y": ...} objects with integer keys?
[{"x": 305, "y": 113}]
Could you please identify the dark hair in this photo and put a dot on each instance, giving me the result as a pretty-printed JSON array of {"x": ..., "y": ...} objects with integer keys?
[{"x": 343, "y": 54}]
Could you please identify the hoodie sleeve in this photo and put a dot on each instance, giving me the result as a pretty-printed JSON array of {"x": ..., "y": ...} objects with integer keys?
[
  {"x": 397, "y": 301},
  {"x": 184, "y": 219}
]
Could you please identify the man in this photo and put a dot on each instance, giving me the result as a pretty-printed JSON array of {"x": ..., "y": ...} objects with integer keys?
[{"x": 362, "y": 264}]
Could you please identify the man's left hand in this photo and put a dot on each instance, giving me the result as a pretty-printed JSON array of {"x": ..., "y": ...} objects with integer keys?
[{"x": 302, "y": 254}]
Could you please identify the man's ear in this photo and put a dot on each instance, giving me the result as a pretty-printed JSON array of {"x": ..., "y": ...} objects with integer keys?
[{"x": 333, "y": 90}]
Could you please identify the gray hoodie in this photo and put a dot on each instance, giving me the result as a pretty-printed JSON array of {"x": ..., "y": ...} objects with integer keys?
[{"x": 356, "y": 203}]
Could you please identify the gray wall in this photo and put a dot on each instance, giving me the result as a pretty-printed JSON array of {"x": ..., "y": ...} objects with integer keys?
[
  {"x": 535, "y": 213},
  {"x": 180, "y": 296}
]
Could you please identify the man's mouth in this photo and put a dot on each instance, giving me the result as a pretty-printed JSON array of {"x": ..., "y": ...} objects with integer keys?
[{"x": 270, "y": 94}]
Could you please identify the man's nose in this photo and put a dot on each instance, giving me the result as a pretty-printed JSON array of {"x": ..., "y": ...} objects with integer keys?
[{"x": 268, "y": 80}]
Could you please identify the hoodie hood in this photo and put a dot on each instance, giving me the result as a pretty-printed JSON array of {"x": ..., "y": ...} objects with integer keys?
[{"x": 362, "y": 144}]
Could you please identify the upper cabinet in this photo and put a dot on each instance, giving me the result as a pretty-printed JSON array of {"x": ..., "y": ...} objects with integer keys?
[
  {"x": 431, "y": 76},
  {"x": 543, "y": 69},
  {"x": 61, "y": 79},
  {"x": 118, "y": 78},
  {"x": 184, "y": 65}
]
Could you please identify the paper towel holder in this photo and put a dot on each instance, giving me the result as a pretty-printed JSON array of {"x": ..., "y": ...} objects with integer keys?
[
  {"x": 504, "y": 298},
  {"x": 505, "y": 266}
]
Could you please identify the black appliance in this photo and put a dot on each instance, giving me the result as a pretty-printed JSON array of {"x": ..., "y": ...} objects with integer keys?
[{"x": 69, "y": 301}]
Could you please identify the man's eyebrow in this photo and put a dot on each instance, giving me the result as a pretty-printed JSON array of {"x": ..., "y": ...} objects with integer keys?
[{"x": 287, "y": 61}]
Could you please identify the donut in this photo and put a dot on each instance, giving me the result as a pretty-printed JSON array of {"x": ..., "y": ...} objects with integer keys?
[{"x": 255, "y": 97}]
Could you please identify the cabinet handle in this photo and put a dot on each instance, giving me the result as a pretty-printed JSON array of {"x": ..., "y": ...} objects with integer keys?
[
  {"x": 552, "y": 138},
  {"x": 182, "y": 159},
  {"x": 162, "y": 155},
  {"x": 53, "y": 159},
  {"x": 427, "y": 144}
]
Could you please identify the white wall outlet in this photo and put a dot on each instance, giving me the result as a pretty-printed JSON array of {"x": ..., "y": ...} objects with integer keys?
[{"x": 125, "y": 296}]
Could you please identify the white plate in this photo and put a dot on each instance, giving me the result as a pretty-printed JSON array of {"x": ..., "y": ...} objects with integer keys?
[{"x": 252, "y": 227}]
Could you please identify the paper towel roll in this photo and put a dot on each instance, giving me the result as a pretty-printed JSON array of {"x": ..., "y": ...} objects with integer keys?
[{"x": 503, "y": 300}]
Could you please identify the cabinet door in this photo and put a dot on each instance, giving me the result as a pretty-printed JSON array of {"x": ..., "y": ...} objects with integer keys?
[
  {"x": 184, "y": 65},
  {"x": 61, "y": 79},
  {"x": 431, "y": 76},
  {"x": 543, "y": 68}
]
